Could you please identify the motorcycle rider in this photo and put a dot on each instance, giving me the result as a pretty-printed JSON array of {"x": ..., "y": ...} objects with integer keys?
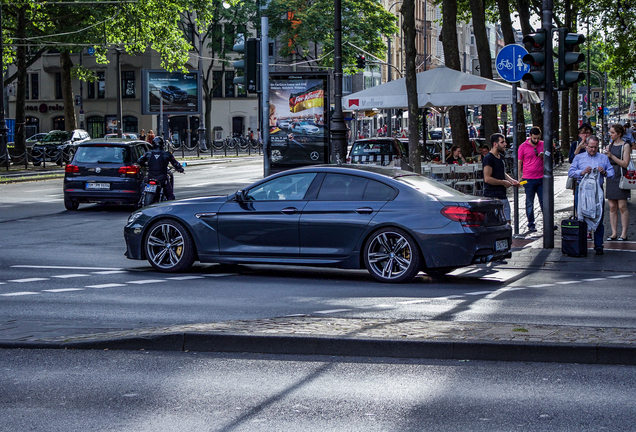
[{"x": 158, "y": 160}]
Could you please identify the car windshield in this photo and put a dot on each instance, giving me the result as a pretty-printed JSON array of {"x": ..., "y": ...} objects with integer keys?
[
  {"x": 101, "y": 154},
  {"x": 173, "y": 88},
  {"x": 427, "y": 186},
  {"x": 372, "y": 147},
  {"x": 57, "y": 136}
]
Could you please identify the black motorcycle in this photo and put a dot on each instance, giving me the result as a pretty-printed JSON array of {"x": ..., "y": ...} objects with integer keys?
[{"x": 153, "y": 190}]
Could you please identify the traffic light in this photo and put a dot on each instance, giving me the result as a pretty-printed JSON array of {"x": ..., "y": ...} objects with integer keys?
[
  {"x": 361, "y": 62},
  {"x": 247, "y": 65},
  {"x": 568, "y": 58},
  {"x": 599, "y": 111},
  {"x": 535, "y": 44}
]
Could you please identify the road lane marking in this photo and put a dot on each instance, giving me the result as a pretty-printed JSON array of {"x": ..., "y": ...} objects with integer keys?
[
  {"x": 109, "y": 272},
  {"x": 594, "y": 279},
  {"x": 332, "y": 311},
  {"x": 59, "y": 290},
  {"x": 146, "y": 281},
  {"x": 110, "y": 285},
  {"x": 478, "y": 293},
  {"x": 181, "y": 278},
  {"x": 64, "y": 267},
  {"x": 220, "y": 274},
  {"x": 619, "y": 276},
  {"x": 29, "y": 280},
  {"x": 66, "y": 276},
  {"x": 540, "y": 286},
  {"x": 409, "y": 302},
  {"x": 568, "y": 282},
  {"x": 450, "y": 297},
  {"x": 21, "y": 293}
]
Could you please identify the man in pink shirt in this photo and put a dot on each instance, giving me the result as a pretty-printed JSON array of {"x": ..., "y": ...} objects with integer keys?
[{"x": 531, "y": 170}]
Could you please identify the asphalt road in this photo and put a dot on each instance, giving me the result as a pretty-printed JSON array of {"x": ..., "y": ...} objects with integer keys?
[
  {"x": 68, "y": 391},
  {"x": 65, "y": 272}
]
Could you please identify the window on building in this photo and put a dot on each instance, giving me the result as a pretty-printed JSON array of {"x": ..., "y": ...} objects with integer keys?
[
  {"x": 32, "y": 86},
  {"x": 58, "y": 85},
  {"x": 217, "y": 83},
  {"x": 90, "y": 90},
  {"x": 347, "y": 84},
  {"x": 95, "y": 126},
  {"x": 229, "y": 84},
  {"x": 101, "y": 85},
  {"x": 128, "y": 84},
  {"x": 130, "y": 124}
]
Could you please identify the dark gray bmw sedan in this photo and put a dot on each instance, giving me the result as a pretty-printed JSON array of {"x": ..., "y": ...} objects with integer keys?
[{"x": 391, "y": 222}]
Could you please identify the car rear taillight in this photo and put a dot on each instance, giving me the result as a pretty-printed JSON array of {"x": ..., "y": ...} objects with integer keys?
[
  {"x": 130, "y": 169},
  {"x": 464, "y": 215},
  {"x": 73, "y": 169}
]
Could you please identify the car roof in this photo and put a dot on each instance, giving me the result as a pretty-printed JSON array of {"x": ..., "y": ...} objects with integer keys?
[
  {"x": 111, "y": 141},
  {"x": 363, "y": 140},
  {"x": 375, "y": 170}
]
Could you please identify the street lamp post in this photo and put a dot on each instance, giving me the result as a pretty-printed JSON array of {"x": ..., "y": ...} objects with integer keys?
[
  {"x": 4, "y": 152},
  {"x": 119, "y": 103},
  {"x": 338, "y": 127}
]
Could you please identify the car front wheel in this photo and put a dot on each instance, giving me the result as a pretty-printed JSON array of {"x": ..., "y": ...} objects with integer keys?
[
  {"x": 391, "y": 255},
  {"x": 169, "y": 246}
]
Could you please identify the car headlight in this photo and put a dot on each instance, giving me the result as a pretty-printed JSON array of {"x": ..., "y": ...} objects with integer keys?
[{"x": 133, "y": 217}]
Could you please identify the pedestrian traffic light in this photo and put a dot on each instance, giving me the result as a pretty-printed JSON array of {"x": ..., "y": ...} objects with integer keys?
[
  {"x": 568, "y": 58},
  {"x": 248, "y": 65},
  {"x": 535, "y": 44},
  {"x": 361, "y": 62}
]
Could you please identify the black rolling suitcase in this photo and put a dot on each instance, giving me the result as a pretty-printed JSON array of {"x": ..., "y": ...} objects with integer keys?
[{"x": 574, "y": 236}]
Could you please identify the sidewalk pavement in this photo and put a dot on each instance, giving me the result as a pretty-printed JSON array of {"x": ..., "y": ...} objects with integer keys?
[{"x": 308, "y": 335}]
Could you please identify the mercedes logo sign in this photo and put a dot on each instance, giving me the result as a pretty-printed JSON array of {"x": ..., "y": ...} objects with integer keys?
[{"x": 314, "y": 155}]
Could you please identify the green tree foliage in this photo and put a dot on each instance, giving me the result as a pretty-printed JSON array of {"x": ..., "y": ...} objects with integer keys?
[{"x": 305, "y": 32}]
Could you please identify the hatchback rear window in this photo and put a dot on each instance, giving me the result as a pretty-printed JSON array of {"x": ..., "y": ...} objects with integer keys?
[{"x": 102, "y": 155}]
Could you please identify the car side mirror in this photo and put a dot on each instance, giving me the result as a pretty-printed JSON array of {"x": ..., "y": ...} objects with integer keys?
[{"x": 241, "y": 196}]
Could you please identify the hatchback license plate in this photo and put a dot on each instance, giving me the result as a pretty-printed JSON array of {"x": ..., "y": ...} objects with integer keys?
[
  {"x": 501, "y": 245},
  {"x": 99, "y": 186},
  {"x": 150, "y": 188}
]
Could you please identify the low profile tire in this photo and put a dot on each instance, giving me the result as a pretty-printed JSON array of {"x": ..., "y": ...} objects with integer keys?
[
  {"x": 391, "y": 255},
  {"x": 71, "y": 204},
  {"x": 169, "y": 247}
]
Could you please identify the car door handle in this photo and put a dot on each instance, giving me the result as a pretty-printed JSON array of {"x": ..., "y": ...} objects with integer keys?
[
  {"x": 364, "y": 210},
  {"x": 289, "y": 210}
]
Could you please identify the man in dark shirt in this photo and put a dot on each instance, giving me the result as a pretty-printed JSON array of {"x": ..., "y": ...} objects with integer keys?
[
  {"x": 158, "y": 160},
  {"x": 496, "y": 180}
]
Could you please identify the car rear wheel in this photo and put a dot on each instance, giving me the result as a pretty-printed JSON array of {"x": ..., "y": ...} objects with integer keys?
[
  {"x": 391, "y": 255},
  {"x": 71, "y": 204},
  {"x": 169, "y": 246}
]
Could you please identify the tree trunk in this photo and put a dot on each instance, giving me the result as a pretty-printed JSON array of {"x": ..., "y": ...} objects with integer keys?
[
  {"x": 523, "y": 7},
  {"x": 519, "y": 123},
  {"x": 20, "y": 116},
  {"x": 457, "y": 116},
  {"x": 488, "y": 112},
  {"x": 70, "y": 122},
  {"x": 408, "y": 25}
]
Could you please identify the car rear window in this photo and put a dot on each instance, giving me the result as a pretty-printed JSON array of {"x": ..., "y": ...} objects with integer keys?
[
  {"x": 372, "y": 147},
  {"x": 57, "y": 136},
  {"x": 428, "y": 186},
  {"x": 102, "y": 154}
]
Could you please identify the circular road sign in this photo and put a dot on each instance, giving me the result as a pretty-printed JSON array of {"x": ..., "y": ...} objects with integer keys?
[
  {"x": 510, "y": 63},
  {"x": 91, "y": 50}
]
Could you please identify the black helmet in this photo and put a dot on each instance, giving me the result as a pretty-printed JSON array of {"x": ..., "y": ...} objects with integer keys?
[{"x": 157, "y": 143}]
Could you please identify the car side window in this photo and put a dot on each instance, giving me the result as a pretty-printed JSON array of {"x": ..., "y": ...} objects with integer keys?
[
  {"x": 289, "y": 187},
  {"x": 377, "y": 191},
  {"x": 342, "y": 187}
]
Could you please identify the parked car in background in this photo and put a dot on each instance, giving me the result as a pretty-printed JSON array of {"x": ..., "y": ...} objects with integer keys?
[
  {"x": 57, "y": 146},
  {"x": 393, "y": 223},
  {"x": 436, "y": 134},
  {"x": 383, "y": 151},
  {"x": 34, "y": 138},
  {"x": 104, "y": 171},
  {"x": 126, "y": 135}
]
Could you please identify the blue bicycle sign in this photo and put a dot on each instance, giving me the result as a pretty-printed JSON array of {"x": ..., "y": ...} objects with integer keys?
[{"x": 510, "y": 64}]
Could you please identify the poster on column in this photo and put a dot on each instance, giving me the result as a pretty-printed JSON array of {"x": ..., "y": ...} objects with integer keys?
[{"x": 298, "y": 120}]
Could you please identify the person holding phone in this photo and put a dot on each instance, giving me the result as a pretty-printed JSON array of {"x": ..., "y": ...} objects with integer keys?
[{"x": 531, "y": 171}]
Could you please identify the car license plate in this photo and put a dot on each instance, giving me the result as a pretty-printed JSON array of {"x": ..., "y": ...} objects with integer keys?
[
  {"x": 501, "y": 245},
  {"x": 150, "y": 188},
  {"x": 97, "y": 186}
]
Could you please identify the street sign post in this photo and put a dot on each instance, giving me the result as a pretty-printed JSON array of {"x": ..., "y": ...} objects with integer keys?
[{"x": 510, "y": 63}]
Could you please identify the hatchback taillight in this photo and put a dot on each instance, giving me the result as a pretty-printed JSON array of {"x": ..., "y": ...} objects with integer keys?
[
  {"x": 464, "y": 215},
  {"x": 72, "y": 169},
  {"x": 130, "y": 169}
]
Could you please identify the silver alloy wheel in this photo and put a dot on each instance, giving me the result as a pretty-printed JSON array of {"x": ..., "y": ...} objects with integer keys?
[
  {"x": 165, "y": 246},
  {"x": 389, "y": 255}
]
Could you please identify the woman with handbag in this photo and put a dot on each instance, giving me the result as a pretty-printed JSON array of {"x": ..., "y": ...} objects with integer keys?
[{"x": 618, "y": 153}]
